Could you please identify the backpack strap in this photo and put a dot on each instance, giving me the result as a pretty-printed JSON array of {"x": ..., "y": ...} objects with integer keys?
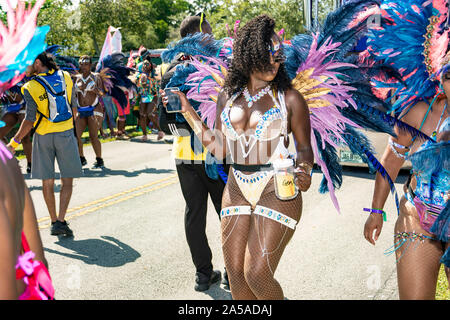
[{"x": 41, "y": 115}]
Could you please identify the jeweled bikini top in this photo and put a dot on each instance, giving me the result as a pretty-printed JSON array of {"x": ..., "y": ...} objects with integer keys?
[{"x": 264, "y": 129}]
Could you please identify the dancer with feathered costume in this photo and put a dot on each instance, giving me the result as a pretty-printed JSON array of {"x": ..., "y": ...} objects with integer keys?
[
  {"x": 89, "y": 88},
  {"x": 112, "y": 79},
  {"x": 316, "y": 69},
  {"x": 413, "y": 38},
  {"x": 335, "y": 84}
]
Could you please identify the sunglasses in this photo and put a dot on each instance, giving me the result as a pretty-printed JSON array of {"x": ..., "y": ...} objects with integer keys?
[
  {"x": 446, "y": 76},
  {"x": 276, "y": 51}
]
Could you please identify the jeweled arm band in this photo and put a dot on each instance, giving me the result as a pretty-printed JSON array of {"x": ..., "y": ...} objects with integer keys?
[{"x": 306, "y": 167}]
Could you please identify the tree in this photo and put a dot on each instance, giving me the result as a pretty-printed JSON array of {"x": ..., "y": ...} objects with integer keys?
[
  {"x": 82, "y": 29},
  {"x": 131, "y": 16},
  {"x": 288, "y": 14},
  {"x": 167, "y": 17}
]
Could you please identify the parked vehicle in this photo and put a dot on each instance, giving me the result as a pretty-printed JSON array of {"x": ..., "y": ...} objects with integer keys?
[{"x": 379, "y": 142}]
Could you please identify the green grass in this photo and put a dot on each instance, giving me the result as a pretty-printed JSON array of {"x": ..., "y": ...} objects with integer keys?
[{"x": 442, "y": 290}]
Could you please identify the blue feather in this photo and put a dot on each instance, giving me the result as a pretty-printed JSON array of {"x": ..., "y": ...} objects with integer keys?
[
  {"x": 365, "y": 121},
  {"x": 358, "y": 140},
  {"x": 27, "y": 56},
  {"x": 223, "y": 175},
  {"x": 119, "y": 76},
  {"x": 377, "y": 166},
  {"x": 178, "y": 79},
  {"x": 331, "y": 159},
  {"x": 394, "y": 122},
  {"x": 193, "y": 45},
  {"x": 336, "y": 26},
  {"x": 53, "y": 49},
  {"x": 400, "y": 44}
]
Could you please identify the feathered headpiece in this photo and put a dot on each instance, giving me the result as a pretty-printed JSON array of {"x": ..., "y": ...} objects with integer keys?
[
  {"x": 335, "y": 84},
  {"x": 412, "y": 39},
  {"x": 321, "y": 69},
  {"x": 65, "y": 63},
  {"x": 198, "y": 44},
  {"x": 20, "y": 42},
  {"x": 115, "y": 76}
]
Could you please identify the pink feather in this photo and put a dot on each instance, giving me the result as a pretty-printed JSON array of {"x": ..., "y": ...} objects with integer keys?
[
  {"x": 203, "y": 86},
  {"x": 363, "y": 15},
  {"x": 19, "y": 32}
]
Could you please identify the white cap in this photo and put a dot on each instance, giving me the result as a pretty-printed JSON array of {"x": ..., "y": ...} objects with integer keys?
[{"x": 282, "y": 164}]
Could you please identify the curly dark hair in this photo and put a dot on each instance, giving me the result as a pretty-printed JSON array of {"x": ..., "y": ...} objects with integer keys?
[
  {"x": 251, "y": 53},
  {"x": 48, "y": 60}
]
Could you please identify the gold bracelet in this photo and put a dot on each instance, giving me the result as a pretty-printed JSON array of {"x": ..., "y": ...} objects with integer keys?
[{"x": 196, "y": 125}]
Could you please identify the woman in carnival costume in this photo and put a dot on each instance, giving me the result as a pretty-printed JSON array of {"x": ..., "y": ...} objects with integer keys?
[
  {"x": 22, "y": 261},
  {"x": 263, "y": 98},
  {"x": 148, "y": 89},
  {"x": 13, "y": 106},
  {"x": 422, "y": 229}
]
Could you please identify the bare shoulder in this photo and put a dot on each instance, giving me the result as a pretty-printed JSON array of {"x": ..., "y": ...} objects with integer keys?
[
  {"x": 222, "y": 99},
  {"x": 416, "y": 114},
  {"x": 295, "y": 101}
]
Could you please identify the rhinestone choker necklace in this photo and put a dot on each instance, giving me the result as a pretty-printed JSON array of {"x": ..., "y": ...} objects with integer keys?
[{"x": 252, "y": 99}]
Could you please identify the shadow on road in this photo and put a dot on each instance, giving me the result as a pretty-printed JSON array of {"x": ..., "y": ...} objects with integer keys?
[
  {"x": 149, "y": 141},
  {"x": 105, "y": 173},
  {"x": 218, "y": 293},
  {"x": 110, "y": 254},
  {"x": 126, "y": 173}
]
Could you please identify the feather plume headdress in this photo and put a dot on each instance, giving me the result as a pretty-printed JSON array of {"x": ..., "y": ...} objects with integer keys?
[
  {"x": 20, "y": 42},
  {"x": 322, "y": 71},
  {"x": 116, "y": 77},
  {"x": 412, "y": 39},
  {"x": 198, "y": 44}
]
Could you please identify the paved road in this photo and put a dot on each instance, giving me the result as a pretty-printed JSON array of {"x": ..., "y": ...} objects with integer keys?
[{"x": 129, "y": 236}]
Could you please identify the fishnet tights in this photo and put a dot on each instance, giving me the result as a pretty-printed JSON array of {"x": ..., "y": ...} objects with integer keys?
[
  {"x": 418, "y": 262},
  {"x": 252, "y": 245}
]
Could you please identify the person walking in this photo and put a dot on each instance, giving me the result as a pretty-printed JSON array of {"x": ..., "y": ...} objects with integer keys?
[
  {"x": 50, "y": 105},
  {"x": 194, "y": 181},
  {"x": 88, "y": 87},
  {"x": 14, "y": 113}
]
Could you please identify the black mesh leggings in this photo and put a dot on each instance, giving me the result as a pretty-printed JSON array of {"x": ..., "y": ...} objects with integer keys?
[{"x": 253, "y": 245}]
